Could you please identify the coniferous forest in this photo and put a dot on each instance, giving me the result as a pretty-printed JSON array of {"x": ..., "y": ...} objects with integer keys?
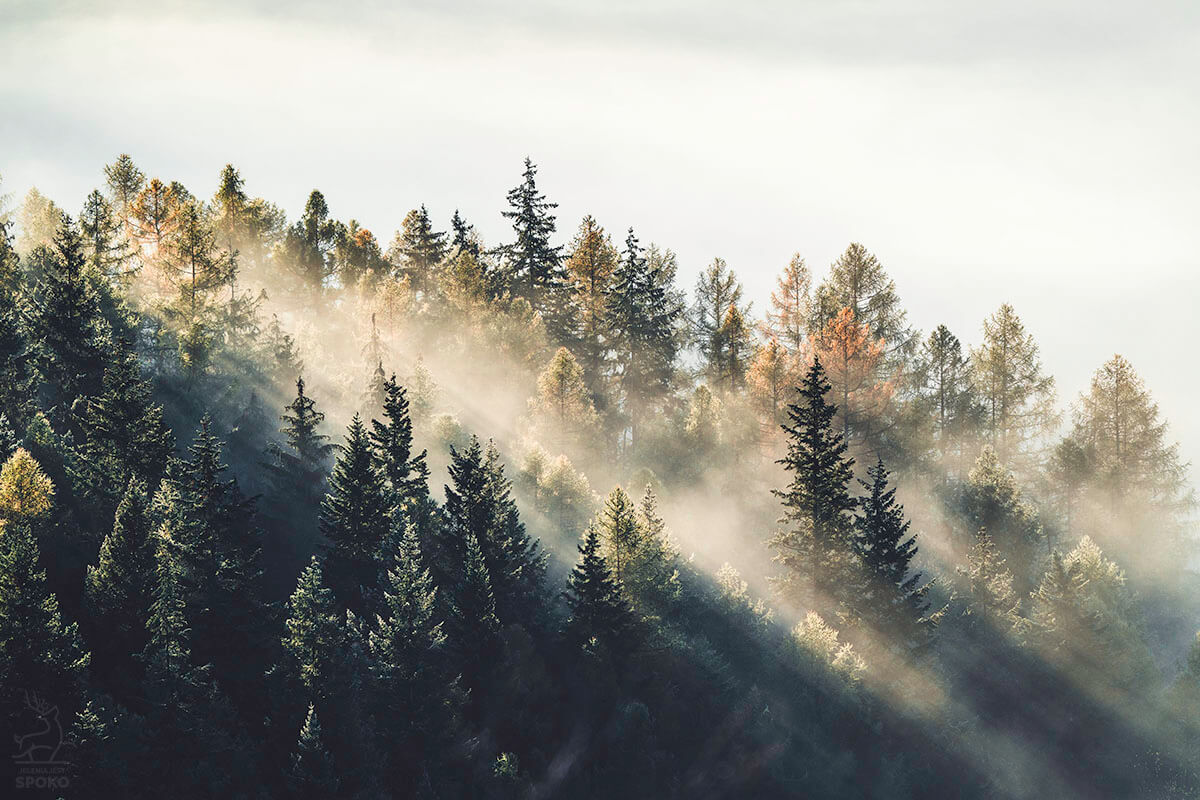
[{"x": 290, "y": 508}]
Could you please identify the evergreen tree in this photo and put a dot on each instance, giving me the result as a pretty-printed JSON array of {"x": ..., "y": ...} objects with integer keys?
[
  {"x": 312, "y": 775},
  {"x": 416, "y": 693},
  {"x": 644, "y": 338},
  {"x": 15, "y": 373},
  {"x": 309, "y": 244},
  {"x": 717, "y": 293},
  {"x": 40, "y": 654},
  {"x": 992, "y": 598},
  {"x": 354, "y": 519},
  {"x": 65, "y": 322},
  {"x": 156, "y": 217},
  {"x": 463, "y": 239},
  {"x": 895, "y": 604},
  {"x": 535, "y": 270},
  {"x": 474, "y": 624},
  {"x": 405, "y": 472},
  {"x": 125, "y": 182},
  {"x": 119, "y": 586},
  {"x": 564, "y": 399},
  {"x": 944, "y": 377},
  {"x": 816, "y": 547},
  {"x": 124, "y": 435},
  {"x": 299, "y": 466},
  {"x": 599, "y": 616}
]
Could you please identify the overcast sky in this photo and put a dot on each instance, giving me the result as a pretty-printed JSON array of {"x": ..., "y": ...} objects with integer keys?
[{"x": 1040, "y": 153}]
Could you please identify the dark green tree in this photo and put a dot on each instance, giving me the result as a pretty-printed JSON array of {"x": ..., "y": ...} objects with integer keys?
[
  {"x": 309, "y": 244},
  {"x": 895, "y": 603},
  {"x": 300, "y": 463},
  {"x": 600, "y": 617},
  {"x": 535, "y": 269},
  {"x": 463, "y": 239},
  {"x": 109, "y": 251},
  {"x": 118, "y": 590},
  {"x": 312, "y": 775},
  {"x": 406, "y": 472},
  {"x": 355, "y": 521},
  {"x": 816, "y": 547},
  {"x": 418, "y": 250},
  {"x": 643, "y": 318}
]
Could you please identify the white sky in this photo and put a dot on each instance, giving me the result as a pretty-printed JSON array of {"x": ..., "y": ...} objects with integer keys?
[{"x": 1040, "y": 153}]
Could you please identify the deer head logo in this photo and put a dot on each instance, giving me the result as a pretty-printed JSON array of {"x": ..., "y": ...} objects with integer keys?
[{"x": 42, "y": 745}]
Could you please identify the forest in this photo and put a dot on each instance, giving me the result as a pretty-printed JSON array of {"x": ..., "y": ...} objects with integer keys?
[{"x": 292, "y": 509}]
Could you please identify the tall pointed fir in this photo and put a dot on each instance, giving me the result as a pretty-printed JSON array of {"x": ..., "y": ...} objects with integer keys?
[
  {"x": 643, "y": 321},
  {"x": 105, "y": 240},
  {"x": 415, "y": 690},
  {"x": 535, "y": 270},
  {"x": 405, "y": 472},
  {"x": 39, "y": 653},
  {"x": 600, "y": 617},
  {"x": 117, "y": 591},
  {"x": 463, "y": 240},
  {"x": 64, "y": 320},
  {"x": 354, "y": 520},
  {"x": 15, "y": 356},
  {"x": 895, "y": 604},
  {"x": 816, "y": 548},
  {"x": 311, "y": 775},
  {"x": 418, "y": 250},
  {"x": 474, "y": 626}
]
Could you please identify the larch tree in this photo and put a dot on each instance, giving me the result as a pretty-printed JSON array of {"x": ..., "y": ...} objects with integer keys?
[
  {"x": 859, "y": 282},
  {"x": 788, "y": 318},
  {"x": 564, "y": 401},
  {"x": 417, "y": 251},
  {"x": 590, "y": 267},
  {"x": 738, "y": 340},
  {"x": 1006, "y": 371},
  {"x": 1118, "y": 422},
  {"x": 155, "y": 217},
  {"x": 718, "y": 291},
  {"x": 772, "y": 377},
  {"x": 945, "y": 386},
  {"x": 852, "y": 360}
]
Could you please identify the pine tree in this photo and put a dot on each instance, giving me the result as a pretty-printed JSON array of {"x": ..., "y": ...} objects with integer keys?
[
  {"x": 463, "y": 239},
  {"x": 535, "y": 270},
  {"x": 859, "y": 282},
  {"x": 816, "y": 547},
  {"x": 944, "y": 378},
  {"x": 992, "y": 598},
  {"x": 354, "y": 520},
  {"x": 125, "y": 183},
  {"x": 312, "y": 775},
  {"x": 717, "y": 292},
  {"x": 156, "y": 216},
  {"x": 599, "y": 615},
  {"x": 309, "y": 244},
  {"x": 894, "y": 603}
]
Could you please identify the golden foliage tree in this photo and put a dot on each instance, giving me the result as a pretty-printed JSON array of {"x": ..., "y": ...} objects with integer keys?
[
  {"x": 25, "y": 491},
  {"x": 852, "y": 360}
]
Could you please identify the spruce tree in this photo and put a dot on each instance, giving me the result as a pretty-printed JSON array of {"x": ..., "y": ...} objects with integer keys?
[
  {"x": 463, "y": 240},
  {"x": 118, "y": 588},
  {"x": 312, "y": 775},
  {"x": 15, "y": 356},
  {"x": 40, "y": 654},
  {"x": 535, "y": 270},
  {"x": 65, "y": 322},
  {"x": 108, "y": 249},
  {"x": 599, "y": 616},
  {"x": 894, "y": 604},
  {"x": 816, "y": 548},
  {"x": 418, "y": 251},
  {"x": 990, "y": 584},
  {"x": 405, "y": 472},
  {"x": 474, "y": 625},
  {"x": 416, "y": 694},
  {"x": 643, "y": 318},
  {"x": 354, "y": 520},
  {"x": 299, "y": 465}
]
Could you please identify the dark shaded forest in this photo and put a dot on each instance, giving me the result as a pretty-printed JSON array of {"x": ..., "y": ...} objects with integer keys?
[{"x": 286, "y": 512}]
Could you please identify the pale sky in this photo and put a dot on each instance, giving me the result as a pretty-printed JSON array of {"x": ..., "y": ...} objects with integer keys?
[{"x": 1040, "y": 153}]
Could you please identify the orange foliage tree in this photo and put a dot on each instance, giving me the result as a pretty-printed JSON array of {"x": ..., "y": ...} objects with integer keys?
[{"x": 853, "y": 361}]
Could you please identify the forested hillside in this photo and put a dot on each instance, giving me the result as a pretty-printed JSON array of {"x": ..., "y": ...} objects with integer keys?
[{"x": 289, "y": 508}]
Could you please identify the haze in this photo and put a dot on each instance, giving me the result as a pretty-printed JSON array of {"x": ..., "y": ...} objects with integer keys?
[{"x": 1037, "y": 153}]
